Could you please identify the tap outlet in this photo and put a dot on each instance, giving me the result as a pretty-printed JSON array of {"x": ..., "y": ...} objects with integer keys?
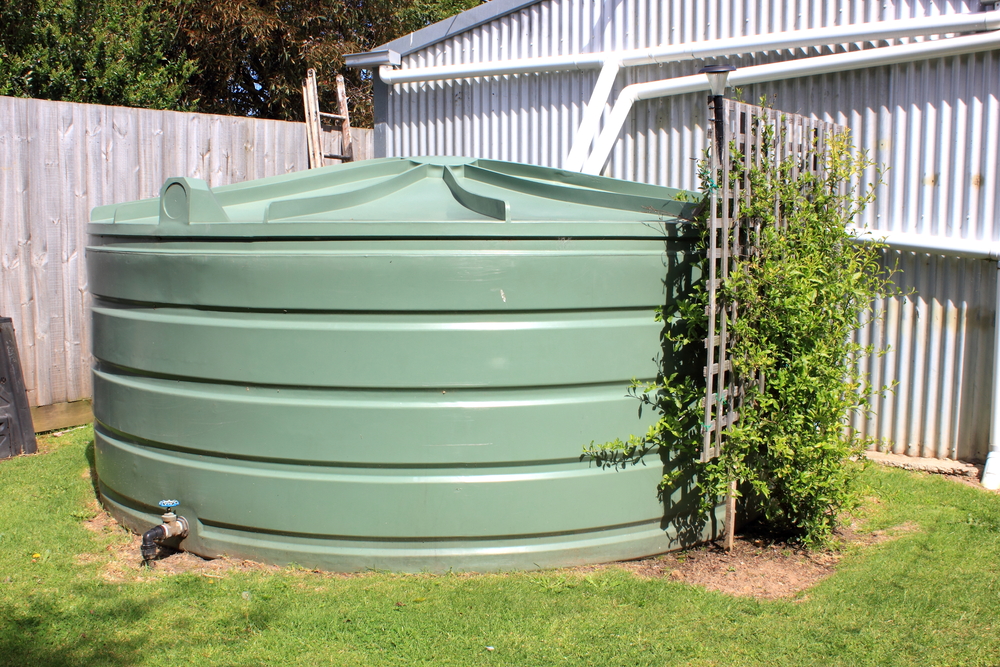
[{"x": 172, "y": 526}]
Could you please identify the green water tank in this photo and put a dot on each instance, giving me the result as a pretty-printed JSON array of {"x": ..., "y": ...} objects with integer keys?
[{"x": 392, "y": 364}]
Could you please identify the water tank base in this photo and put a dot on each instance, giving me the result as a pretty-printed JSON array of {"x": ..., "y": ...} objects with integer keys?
[{"x": 333, "y": 555}]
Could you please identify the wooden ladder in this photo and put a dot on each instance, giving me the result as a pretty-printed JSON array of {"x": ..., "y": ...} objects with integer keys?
[{"x": 315, "y": 118}]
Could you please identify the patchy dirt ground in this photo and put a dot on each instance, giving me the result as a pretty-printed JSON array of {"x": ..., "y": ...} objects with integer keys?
[
  {"x": 121, "y": 560},
  {"x": 971, "y": 481},
  {"x": 756, "y": 567},
  {"x": 751, "y": 569}
]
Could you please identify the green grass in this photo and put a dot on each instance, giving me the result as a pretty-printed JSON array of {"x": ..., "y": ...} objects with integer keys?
[{"x": 929, "y": 597}]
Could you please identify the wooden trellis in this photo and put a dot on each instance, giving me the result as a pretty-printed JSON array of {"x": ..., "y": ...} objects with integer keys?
[{"x": 734, "y": 237}]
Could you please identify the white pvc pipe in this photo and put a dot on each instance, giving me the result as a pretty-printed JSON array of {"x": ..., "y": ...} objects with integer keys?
[
  {"x": 839, "y": 62},
  {"x": 592, "y": 114},
  {"x": 991, "y": 471},
  {"x": 594, "y": 163},
  {"x": 875, "y": 30},
  {"x": 935, "y": 245}
]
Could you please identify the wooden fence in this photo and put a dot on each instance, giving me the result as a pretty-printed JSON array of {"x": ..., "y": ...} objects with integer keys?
[{"x": 58, "y": 161}]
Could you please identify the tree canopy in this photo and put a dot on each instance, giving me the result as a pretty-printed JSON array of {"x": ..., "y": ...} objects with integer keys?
[
  {"x": 236, "y": 57},
  {"x": 99, "y": 51}
]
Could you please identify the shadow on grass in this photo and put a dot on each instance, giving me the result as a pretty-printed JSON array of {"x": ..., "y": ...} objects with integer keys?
[
  {"x": 91, "y": 455},
  {"x": 47, "y": 634},
  {"x": 62, "y": 612},
  {"x": 97, "y": 624},
  {"x": 85, "y": 624}
]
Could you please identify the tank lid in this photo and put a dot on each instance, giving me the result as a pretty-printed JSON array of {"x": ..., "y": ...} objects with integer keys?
[{"x": 406, "y": 197}]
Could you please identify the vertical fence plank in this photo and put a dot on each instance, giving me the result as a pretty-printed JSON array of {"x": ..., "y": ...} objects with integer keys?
[{"x": 41, "y": 166}]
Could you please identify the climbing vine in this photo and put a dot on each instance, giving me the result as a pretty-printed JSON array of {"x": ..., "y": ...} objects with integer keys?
[{"x": 800, "y": 298}]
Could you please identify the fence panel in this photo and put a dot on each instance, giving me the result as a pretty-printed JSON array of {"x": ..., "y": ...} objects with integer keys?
[{"x": 58, "y": 160}]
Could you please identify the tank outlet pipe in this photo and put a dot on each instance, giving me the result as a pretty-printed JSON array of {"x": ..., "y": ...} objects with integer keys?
[
  {"x": 791, "y": 39},
  {"x": 172, "y": 526},
  {"x": 838, "y": 62},
  {"x": 941, "y": 245}
]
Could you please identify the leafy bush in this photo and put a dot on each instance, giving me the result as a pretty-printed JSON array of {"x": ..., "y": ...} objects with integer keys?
[
  {"x": 94, "y": 51},
  {"x": 800, "y": 298}
]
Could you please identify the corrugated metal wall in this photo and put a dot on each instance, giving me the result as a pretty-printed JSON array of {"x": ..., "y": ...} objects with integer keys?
[{"x": 935, "y": 126}]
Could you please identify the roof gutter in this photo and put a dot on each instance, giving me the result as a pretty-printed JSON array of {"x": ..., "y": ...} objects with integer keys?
[
  {"x": 876, "y": 30},
  {"x": 840, "y": 62},
  {"x": 610, "y": 63}
]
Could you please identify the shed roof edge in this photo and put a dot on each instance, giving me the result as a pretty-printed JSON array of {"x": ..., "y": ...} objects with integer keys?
[{"x": 442, "y": 30}]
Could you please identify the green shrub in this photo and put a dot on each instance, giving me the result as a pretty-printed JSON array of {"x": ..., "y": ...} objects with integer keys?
[
  {"x": 93, "y": 51},
  {"x": 800, "y": 298}
]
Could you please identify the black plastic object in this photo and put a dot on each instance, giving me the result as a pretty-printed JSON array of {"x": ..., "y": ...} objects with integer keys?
[
  {"x": 149, "y": 540},
  {"x": 17, "y": 435}
]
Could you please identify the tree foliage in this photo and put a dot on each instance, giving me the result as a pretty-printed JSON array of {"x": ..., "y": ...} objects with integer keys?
[
  {"x": 418, "y": 13},
  {"x": 253, "y": 54},
  {"x": 96, "y": 51},
  {"x": 234, "y": 57}
]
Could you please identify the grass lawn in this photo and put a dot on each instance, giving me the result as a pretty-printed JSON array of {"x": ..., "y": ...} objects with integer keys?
[{"x": 929, "y": 597}]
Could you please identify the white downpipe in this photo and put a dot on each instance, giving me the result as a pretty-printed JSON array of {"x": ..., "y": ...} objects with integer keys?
[
  {"x": 620, "y": 113},
  {"x": 942, "y": 245},
  {"x": 592, "y": 114},
  {"x": 839, "y": 62},
  {"x": 991, "y": 472},
  {"x": 875, "y": 30}
]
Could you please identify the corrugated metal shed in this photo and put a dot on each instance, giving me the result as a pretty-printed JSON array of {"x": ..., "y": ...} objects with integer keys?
[{"x": 935, "y": 126}]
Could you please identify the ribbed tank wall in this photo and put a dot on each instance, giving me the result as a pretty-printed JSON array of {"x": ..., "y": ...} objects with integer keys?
[{"x": 400, "y": 404}]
